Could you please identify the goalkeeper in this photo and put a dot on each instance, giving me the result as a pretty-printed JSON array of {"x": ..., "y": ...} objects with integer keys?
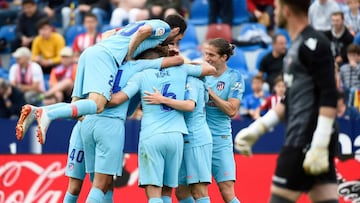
[{"x": 306, "y": 161}]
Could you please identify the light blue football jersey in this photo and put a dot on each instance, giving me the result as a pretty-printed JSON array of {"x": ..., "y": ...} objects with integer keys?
[
  {"x": 199, "y": 132},
  {"x": 118, "y": 44},
  {"x": 230, "y": 84},
  {"x": 171, "y": 83},
  {"x": 125, "y": 72}
]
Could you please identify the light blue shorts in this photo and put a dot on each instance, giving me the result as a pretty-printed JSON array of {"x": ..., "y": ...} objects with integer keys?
[
  {"x": 196, "y": 165},
  {"x": 159, "y": 159},
  {"x": 103, "y": 140},
  {"x": 95, "y": 72},
  {"x": 75, "y": 167},
  {"x": 223, "y": 163}
]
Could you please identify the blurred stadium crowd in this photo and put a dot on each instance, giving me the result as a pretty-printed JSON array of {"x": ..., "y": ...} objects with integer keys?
[{"x": 40, "y": 42}]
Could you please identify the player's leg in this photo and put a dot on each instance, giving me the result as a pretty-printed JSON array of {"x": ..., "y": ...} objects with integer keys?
[
  {"x": 283, "y": 195},
  {"x": 183, "y": 194},
  {"x": 223, "y": 167},
  {"x": 109, "y": 136},
  {"x": 95, "y": 81},
  {"x": 166, "y": 194},
  {"x": 324, "y": 193},
  {"x": 75, "y": 167}
]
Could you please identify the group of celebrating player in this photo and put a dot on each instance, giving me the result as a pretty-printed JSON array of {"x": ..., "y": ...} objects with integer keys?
[{"x": 185, "y": 137}]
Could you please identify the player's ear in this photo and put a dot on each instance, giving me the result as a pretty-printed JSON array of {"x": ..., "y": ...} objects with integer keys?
[{"x": 175, "y": 31}]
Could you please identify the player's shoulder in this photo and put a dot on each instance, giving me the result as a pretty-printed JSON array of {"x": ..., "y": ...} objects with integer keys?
[
  {"x": 314, "y": 40},
  {"x": 235, "y": 74}
]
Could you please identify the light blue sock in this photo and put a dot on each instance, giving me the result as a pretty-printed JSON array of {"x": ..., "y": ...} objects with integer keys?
[
  {"x": 187, "y": 200},
  {"x": 203, "y": 200},
  {"x": 108, "y": 198},
  {"x": 54, "y": 106},
  {"x": 70, "y": 198},
  {"x": 235, "y": 200},
  {"x": 155, "y": 200},
  {"x": 95, "y": 196},
  {"x": 166, "y": 199},
  {"x": 75, "y": 109}
]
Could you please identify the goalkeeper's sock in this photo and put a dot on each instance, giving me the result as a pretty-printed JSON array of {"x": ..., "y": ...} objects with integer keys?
[
  {"x": 278, "y": 199},
  {"x": 108, "y": 198},
  {"x": 203, "y": 200},
  {"x": 235, "y": 200},
  {"x": 95, "y": 196},
  {"x": 155, "y": 200},
  {"x": 73, "y": 110},
  {"x": 187, "y": 200},
  {"x": 166, "y": 199},
  {"x": 70, "y": 198}
]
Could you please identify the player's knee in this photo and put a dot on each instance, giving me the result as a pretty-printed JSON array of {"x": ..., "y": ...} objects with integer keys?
[
  {"x": 181, "y": 193},
  {"x": 199, "y": 191}
]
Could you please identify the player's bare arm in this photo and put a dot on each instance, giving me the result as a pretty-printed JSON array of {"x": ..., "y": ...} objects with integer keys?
[
  {"x": 141, "y": 34},
  {"x": 157, "y": 98},
  {"x": 229, "y": 107},
  {"x": 117, "y": 99}
]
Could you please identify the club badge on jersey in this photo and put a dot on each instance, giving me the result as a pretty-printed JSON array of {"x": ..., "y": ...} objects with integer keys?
[{"x": 220, "y": 85}]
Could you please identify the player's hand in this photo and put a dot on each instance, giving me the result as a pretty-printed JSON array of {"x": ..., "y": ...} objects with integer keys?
[
  {"x": 153, "y": 97},
  {"x": 316, "y": 161},
  {"x": 244, "y": 140}
]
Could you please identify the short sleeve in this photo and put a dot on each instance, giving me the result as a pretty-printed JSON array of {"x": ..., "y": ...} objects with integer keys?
[
  {"x": 192, "y": 70},
  {"x": 133, "y": 85},
  {"x": 237, "y": 86}
]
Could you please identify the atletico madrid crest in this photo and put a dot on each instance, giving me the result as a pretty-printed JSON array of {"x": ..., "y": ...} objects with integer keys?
[{"x": 220, "y": 85}]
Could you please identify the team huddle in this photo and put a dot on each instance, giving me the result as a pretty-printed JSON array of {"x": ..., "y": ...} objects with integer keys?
[{"x": 185, "y": 137}]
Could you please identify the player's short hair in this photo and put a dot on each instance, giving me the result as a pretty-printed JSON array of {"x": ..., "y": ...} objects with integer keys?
[
  {"x": 152, "y": 53},
  {"x": 176, "y": 20},
  {"x": 299, "y": 7},
  {"x": 223, "y": 46}
]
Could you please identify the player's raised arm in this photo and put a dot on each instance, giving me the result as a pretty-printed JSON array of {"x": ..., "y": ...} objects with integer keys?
[
  {"x": 141, "y": 34},
  {"x": 158, "y": 98},
  {"x": 170, "y": 61},
  {"x": 207, "y": 69}
]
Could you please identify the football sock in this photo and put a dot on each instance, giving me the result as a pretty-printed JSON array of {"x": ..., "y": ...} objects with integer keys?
[
  {"x": 235, "y": 200},
  {"x": 203, "y": 200},
  {"x": 95, "y": 196},
  {"x": 73, "y": 110},
  {"x": 70, "y": 198},
  {"x": 187, "y": 200},
  {"x": 166, "y": 199},
  {"x": 155, "y": 200},
  {"x": 108, "y": 198}
]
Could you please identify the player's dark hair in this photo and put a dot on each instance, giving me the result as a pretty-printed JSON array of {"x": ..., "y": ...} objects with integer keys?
[
  {"x": 152, "y": 53},
  {"x": 43, "y": 22},
  {"x": 176, "y": 20},
  {"x": 28, "y": 2},
  {"x": 90, "y": 15},
  {"x": 297, "y": 6},
  {"x": 223, "y": 46}
]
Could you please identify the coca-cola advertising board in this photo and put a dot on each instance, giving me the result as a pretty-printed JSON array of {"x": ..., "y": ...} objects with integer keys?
[{"x": 41, "y": 179}]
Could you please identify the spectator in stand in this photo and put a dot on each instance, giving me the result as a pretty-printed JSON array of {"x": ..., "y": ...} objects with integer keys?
[
  {"x": 11, "y": 100},
  {"x": 350, "y": 72},
  {"x": 61, "y": 79},
  {"x": 252, "y": 101},
  {"x": 340, "y": 38},
  {"x": 274, "y": 99},
  {"x": 159, "y": 9},
  {"x": 8, "y": 12},
  {"x": 320, "y": 12},
  {"x": 126, "y": 12},
  {"x": 344, "y": 111},
  {"x": 68, "y": 14},
  {"x": 27, "y": 76},
  {"x": 222, "y": 9},
  {"x": 352, "y": 17},
  {"x": 47, "y": 46},
  {"x": 262, "y": 11},
  {"x": 84, "y": 40},
  {"x": 100, "y": 8},
  {"x": 53, "y": 9},
  {"x": 25, "y": 29},
  {"x": 272, "y": 63}
]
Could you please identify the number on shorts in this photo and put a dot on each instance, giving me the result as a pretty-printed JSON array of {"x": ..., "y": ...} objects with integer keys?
[
  {"x": 79, "y": 156},
  {"x": 171, "y": 95}
]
